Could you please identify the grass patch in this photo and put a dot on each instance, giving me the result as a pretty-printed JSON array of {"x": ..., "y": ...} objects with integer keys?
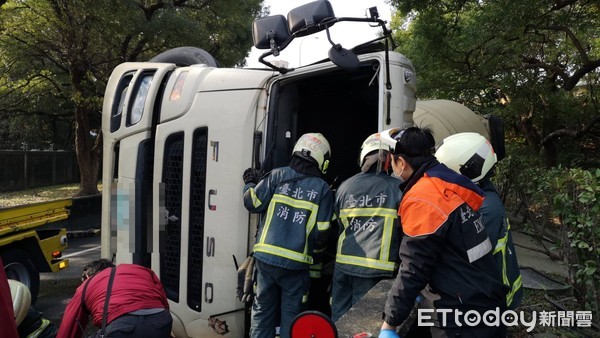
[
  {"x": 537, "y": 300},
  {"x": 38, "y": 195}
]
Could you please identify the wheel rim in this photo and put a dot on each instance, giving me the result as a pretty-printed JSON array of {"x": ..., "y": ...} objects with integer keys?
[
  {"x": 18, "y": 272},
  {"x": 313, "y": 324}
]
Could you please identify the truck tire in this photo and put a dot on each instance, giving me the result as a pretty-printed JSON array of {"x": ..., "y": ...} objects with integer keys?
[
  {"x": 186, "y": 56},
  {"x": 18, "y": 266}
]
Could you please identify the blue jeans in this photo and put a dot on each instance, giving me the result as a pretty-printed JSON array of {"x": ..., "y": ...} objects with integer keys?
[
  {"x": 347, "y": 290},
  {"x": 148, "y": 326},
  {"x": 280, "y": 293}
]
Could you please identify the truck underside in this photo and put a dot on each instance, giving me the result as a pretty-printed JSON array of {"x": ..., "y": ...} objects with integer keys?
[{"x": 342, "y": 105}]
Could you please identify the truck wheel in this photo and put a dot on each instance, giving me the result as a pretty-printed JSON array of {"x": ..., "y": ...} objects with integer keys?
[
  {"x": 186, "y": 56},
  {"x": 18, "y": 266}
]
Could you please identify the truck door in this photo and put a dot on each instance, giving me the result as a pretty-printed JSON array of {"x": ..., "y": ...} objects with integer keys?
[{"x": 203, "y": 144}]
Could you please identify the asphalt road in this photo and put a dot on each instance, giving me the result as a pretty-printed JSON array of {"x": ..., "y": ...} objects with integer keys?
[{"x": 56, "y": 289}]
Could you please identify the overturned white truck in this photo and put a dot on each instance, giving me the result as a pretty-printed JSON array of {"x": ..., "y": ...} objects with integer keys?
[{"x": 179, "y": 132}]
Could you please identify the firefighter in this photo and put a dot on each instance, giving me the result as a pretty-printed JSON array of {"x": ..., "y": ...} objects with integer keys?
[
  {"x": 472, "y": 155},
  {"x": 298, "y": 208},
  {"x": 445, "y": 253},
  {"x": 366, "y": 206}
]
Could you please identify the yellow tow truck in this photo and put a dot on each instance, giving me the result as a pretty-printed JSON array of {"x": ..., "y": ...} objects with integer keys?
[{"x": 30, "y": 245}]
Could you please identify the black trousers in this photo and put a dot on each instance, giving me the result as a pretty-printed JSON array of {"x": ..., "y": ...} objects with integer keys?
[{"x": 148, "y": 326}]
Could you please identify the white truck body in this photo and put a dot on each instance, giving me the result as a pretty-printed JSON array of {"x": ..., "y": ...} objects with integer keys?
[{"x": 177, "y": 140}]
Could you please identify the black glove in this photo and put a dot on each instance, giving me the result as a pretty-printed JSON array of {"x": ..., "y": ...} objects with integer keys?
[{"x": 251, "y": 175}]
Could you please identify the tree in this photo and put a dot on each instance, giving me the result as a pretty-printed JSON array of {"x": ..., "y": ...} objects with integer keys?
[
  {"x": 534, "y": 62},
  {"x": 58, "y": 54}
]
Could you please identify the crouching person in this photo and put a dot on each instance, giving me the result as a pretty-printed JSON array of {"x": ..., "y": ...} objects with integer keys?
[{"x": 125, "y": 301}]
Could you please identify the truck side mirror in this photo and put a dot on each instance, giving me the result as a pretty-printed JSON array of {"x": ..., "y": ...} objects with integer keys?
[
  {"x": 270, "y": 29},
  {"x": 343, "y": 58},
  {"x": 304, "y": 20}
]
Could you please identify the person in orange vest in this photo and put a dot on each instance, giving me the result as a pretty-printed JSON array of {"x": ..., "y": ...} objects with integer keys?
[
  {"x": 446, "y": 254},
  {"x": 472, "y": 155}
]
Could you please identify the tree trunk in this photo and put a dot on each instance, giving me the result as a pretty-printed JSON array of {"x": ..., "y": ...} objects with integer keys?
[
  {"x": 550, "y": 154},
  {"x": 525, "y": 125},
  {"x": 89, "y": 151}
]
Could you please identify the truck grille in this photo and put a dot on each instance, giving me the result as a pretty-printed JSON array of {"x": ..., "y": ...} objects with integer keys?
[
  {"x": 197, "y": 207},
  {"x": 170, "y": 241}
]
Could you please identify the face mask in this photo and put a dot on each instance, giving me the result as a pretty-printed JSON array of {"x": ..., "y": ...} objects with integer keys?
[{"x": 399, "y": 177}]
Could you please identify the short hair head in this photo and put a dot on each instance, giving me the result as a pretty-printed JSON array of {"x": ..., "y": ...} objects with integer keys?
[
  {"x": 415, "y": 145},
  {"x": 94, "y": 267}
]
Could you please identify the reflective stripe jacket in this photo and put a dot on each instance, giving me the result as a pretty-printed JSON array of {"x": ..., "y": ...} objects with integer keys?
[
  {"x": 298, "y": 211},
  {"x": 445, "y": 253},
  {"x": 366, "y": 205},
  {"x": 498, "y": 228}
]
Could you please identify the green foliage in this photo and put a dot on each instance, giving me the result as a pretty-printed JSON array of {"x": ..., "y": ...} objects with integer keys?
[
  {"x": 534, "y": 63},
  {"x": 515, "y": 175},
  {"x": 578, "y": 210},
  {"x": 563, "y": 205},
  {"x": 580, "y": 193},
  {"x": 56, "y": 56}
]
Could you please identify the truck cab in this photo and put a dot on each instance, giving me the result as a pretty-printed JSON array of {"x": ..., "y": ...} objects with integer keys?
[{"x": 178, "y": 134}]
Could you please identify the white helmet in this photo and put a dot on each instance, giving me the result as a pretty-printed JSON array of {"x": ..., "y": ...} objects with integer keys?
[
  {"x": 469, "y": 154},
  {"x": 21, "y": 299},
  {"x": 371, "y": 144},
  {"x": 390, "y": 137},
  {"x": 314, "y": 146}
]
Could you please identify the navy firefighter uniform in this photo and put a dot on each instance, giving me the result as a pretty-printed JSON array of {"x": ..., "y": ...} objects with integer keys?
[
  {"x": 366, "y": 207},
  {"x": 298, "y": 208}
]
